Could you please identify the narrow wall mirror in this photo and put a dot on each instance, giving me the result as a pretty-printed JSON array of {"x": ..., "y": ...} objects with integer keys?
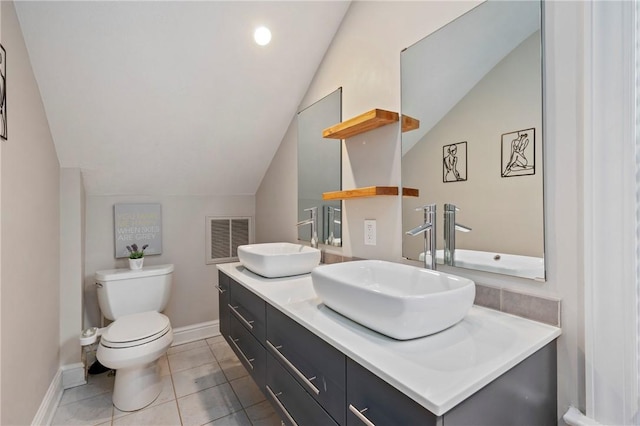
[
  {"x": 475, "y": 85},
  {"x": 319, "y": 168}
]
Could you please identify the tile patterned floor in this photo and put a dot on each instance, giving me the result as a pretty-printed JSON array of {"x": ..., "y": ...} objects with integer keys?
[{"x": 204, "y": 384}]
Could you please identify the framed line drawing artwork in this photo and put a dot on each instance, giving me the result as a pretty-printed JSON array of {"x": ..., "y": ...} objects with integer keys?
[
  {"x": 3, "y": 93},
  {"x": 454, "y": 162},
  {"x": 518, "y": 155}
]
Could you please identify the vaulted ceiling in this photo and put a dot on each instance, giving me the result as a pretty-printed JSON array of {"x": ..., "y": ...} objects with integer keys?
[{"x": 173, "y": 97}]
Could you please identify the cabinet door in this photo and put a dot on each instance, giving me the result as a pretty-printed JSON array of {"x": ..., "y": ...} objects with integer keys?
[
  {"x": 370, "y": 400},
  {"x": 317, "y": 366},
  {"x": 223, "y": 303},
  {"x": 250, "y": 352},
  {"x": 249, "y": 309},
  {"x": 295, "y": 406}
]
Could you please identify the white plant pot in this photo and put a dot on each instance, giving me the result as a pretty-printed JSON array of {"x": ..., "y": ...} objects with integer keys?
[{"x": 136, "y": 263}]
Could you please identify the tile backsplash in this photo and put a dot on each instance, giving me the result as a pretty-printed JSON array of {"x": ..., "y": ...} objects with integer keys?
[{"x": 537, "y": 308}]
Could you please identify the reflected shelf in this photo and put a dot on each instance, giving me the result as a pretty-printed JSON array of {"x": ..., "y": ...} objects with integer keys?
[
  {"x": 369, "y": 191},
  {"x": 409, "y": 123}
]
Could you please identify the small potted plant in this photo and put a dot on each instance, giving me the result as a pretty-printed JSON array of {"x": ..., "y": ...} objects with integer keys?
[{"x": 136, "y": 257}]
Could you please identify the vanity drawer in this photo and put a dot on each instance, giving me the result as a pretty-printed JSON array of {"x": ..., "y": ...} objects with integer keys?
[
  {"x": 223, "y": 302},
  {"x": 249, "y": 350},
  {"x": 293, "y": 404},
  {"x": 380, "y": 403},
  {"x": 317, "y": 366},
  {"x": 249, "y": 309}
]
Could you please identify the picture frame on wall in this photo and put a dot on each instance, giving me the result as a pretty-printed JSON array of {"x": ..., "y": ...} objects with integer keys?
[
  {"x": 454, "y": 162},
  {"x": 3, "y": 93},
  {"x": 518, "y": 154},
  {"x": 139, "y": 223}
]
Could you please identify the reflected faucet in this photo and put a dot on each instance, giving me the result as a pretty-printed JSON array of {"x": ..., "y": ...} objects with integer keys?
[
  {"x": 450, "y": 228},
  {"x": 429, "y": 230},
  {"x": 313, "y": 221},
  {"x": 333, "y": 222}
]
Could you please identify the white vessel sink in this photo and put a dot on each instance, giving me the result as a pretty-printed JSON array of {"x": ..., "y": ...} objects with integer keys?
[
  {"x": 399, "y": 301},
  {"x": 273, "y": 260}
]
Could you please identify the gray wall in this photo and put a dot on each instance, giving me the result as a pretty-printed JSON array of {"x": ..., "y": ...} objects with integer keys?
[
  {"x": 30, "y": 250},
  {"x": 193, "y": 296},
  {"x": 71, "y": 263}
]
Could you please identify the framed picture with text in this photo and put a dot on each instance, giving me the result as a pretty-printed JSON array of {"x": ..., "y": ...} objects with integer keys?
[{"x": 139, "y": 223}]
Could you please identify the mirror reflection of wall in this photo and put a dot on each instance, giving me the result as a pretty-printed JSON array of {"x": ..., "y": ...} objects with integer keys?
[
  {"x": 319, "y": 168},
  {"x": 476, "y": 87}
]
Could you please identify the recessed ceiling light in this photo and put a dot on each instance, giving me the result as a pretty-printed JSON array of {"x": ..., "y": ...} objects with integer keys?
[{"x": 262, "y": 36}]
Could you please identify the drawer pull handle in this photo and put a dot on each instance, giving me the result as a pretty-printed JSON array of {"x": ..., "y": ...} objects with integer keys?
[
  {"x": 241, "y": 318},
  {"x": 220, "y": 289},
  {"x": 249, "y": 361},
  {"x": 361, "y": 416},
  {"x": 277, "y": 401},
  {"x": 292, "y": 367}
]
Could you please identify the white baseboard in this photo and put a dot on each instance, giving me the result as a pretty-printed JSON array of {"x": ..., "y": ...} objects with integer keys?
[
  {"x": 73, "y": 375},
  {"x": 191, "y": 333},
  {"x": 50, "y": 402}
]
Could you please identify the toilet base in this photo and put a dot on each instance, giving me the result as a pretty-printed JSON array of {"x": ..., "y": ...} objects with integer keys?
[{"x": 135, "y": 388}]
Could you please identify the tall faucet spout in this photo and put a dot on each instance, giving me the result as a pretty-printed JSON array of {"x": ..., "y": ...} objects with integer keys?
[
  {"x": 450, "y": 228},
  {"x": 428, "y": 228},
  {"x": 313, "y": 221},
  {"x": 419, "y": 229}
]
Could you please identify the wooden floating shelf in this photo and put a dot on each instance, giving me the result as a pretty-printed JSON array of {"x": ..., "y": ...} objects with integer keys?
[
  {"x": 369, "y": 191},
  {"x": 363, "y": 123},
  {"x": 409, "y": 123},
  {"x": 410, "y": 192}
]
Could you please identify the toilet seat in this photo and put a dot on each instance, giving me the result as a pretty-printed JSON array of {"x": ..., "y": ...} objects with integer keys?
[{"x": 135, "y": 330}]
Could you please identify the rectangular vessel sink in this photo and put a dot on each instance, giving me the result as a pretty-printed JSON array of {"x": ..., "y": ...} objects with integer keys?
[
  {"x": 399, "y": 301},
  {"x": 274, "y": 260}
]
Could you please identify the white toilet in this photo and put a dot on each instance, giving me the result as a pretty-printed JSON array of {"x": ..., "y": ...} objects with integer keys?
[{"x": 139, "y": 335}]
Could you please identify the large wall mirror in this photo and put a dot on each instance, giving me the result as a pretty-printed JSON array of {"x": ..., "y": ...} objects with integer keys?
[
  {"x": 476, "y": 87},
  {"x": 319, "y": 168}
]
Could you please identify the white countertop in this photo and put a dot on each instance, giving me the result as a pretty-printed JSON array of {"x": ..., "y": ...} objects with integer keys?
[{"x": 438, "y": 371}]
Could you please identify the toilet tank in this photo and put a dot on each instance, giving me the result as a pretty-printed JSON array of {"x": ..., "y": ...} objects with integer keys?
[{"x": 126, "y": 291}]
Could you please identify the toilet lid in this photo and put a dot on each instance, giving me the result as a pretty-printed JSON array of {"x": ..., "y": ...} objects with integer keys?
[{"x": 135, "y": 329}]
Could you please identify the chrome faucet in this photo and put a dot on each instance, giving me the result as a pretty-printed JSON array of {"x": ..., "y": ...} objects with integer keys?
[
  {"x": 332, "y": 225},
  {"x": 450, "y": 228},
  {"x": 313, "y": 221},
  {"x": 429, "y": 230}
]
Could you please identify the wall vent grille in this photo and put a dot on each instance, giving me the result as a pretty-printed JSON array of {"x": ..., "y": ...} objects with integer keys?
[{"x": 224, "y": 235}]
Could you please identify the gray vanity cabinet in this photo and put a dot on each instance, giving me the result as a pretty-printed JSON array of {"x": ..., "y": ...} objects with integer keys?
[
  {"x": 294, "y": 405},
  {"x": 250, "y": 352},
  {"x": 249, "y": 309},
  {"x": 318, "y": 367},
  {"x": 247, "y": 329},
  {"x": 524, "y": 395},
  {"x": 223, "y": 303},
  {"x": 309, "y": 382},
  {"x": 370, "y": 398}
]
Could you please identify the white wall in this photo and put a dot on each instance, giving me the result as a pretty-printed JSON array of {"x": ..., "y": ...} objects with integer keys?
[
  {"x": 30, "y": 239},
  {"x": 71, "y": 263},
  {"x": 364, "y": 59},
  {"x": 194, "y": 299},
  {"x": 277, "y": 196}
]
